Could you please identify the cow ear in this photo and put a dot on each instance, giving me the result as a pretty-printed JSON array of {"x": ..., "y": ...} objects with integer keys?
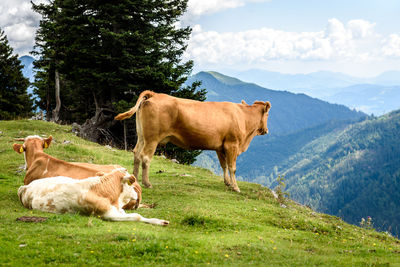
[
  {"x": 129, "y": 179},
  {"x": 132, "y": 180},
  {"x": 18, "y": 148},
  {"x": 47, "y": 141},
  {"x": 267, "y": 106},
  {"x": 244, "y": 103}
]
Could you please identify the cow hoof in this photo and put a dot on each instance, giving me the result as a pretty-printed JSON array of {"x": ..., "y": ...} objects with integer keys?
[
  {"x": 236, "y": 189},
  {"x": 164, "y": 223},
  {"x": 148, "y": 185},
  {"x": 227, "y": 184}
]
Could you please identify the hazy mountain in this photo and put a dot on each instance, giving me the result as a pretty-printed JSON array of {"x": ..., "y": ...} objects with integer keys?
[
  {"x": 27, "y": 71},
  {"x": 369, "y": 98},
  {"x": 334, "y": 87},
  {"x": 315, "y": 84},
  {"x": 387, "y": 78}
]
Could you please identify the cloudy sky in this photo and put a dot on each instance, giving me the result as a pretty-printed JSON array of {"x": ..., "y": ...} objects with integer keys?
[{"x": 357, "y": 37}]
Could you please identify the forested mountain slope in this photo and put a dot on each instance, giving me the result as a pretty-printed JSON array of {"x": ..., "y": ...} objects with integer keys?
[{"x": 352, "y": 173}]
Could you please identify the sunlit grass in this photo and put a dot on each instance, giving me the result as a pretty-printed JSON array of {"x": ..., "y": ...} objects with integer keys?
[{"x": 209, "y": 223}]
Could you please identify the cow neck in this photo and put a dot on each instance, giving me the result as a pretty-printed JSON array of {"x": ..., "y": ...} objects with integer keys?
[
  {"x": 109, "y": 187},
  {"x": 252, "y": 122},
  {"x": 254, "y": 114},
  {"x": 31, "y": 154}
]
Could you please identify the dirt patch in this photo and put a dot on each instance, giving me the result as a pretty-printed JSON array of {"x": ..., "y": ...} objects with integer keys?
[{"x": 32, "y": 219}]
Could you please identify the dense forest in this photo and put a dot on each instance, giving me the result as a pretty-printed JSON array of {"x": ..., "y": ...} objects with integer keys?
[
  {"x": 94, "y": 58},
  {"x": 15, "y": 102}
]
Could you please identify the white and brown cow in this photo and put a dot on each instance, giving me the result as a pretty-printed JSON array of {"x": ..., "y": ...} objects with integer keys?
[
  {"x": 225, "y": 127},
  {"x": 104, "y": 196},
  {"x": 41, "y": 165}
]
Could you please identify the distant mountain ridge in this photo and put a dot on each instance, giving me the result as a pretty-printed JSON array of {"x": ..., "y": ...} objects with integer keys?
[
  {"x": 370, "y": 98},
  {"x": 282, "y": 81},
  {"x": 314, "y": 80},
  {"x": 327, "y": 85}
]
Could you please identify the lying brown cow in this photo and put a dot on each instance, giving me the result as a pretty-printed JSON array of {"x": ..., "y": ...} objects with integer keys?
[
  {"x": 102, "y": 195},
  {"x": 41, "y": 165},
  {"x": 225, "y": 127}
]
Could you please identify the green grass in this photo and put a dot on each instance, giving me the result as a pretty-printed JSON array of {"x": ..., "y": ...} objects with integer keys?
[{"x": 210, "y": 225}]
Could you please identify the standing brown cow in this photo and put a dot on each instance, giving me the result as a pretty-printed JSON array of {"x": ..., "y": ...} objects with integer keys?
[{"x": 225, "y": 127}]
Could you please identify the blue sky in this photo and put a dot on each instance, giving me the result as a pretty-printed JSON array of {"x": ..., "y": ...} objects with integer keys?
[
  {"x": 360, "y": 38},
  {"x": 307, "y": 15},
  {"x": 356, "y": 37}
]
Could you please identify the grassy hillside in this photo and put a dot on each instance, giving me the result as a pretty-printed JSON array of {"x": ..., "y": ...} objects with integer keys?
[
  {"x": 209, "y": 224},
  {"x": 351, "y": 173}
]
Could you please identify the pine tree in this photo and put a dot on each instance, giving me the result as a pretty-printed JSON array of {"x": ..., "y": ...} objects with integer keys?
[
  {"x": 14, "y": 99},
  {"x": 107, "y": 54}
]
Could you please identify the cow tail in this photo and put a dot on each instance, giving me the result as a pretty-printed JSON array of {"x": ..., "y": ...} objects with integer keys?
[{"x": 142, "y": 97}]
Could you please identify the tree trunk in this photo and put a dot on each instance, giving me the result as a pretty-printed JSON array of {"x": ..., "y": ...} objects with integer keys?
[
  {"x": 48, "y": 104},
  {"x": 56, "y": 111},
  {"x": 96, "y": 129}
]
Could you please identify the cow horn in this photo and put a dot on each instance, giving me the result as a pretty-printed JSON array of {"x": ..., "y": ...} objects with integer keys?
[{"x": 19, "y": 139}]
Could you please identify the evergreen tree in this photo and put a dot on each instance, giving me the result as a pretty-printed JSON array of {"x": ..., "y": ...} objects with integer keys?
[
  {"x": 14, "y": 99},
  {"x": 107, "y": 53}
]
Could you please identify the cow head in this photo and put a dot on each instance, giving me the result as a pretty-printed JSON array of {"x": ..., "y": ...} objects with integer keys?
[
  {"x": 32, "y": 144},
  {"x": 132, "y": 192},
  {"x": 263, "y": 128}
]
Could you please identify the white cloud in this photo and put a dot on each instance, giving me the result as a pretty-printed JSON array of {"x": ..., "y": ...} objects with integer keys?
[
  {"x": 361, "y": 28},
  {"x": 391, "y": 46},
  {"x": 19, "y": 23},
  {"x": 354, "y": 41}
]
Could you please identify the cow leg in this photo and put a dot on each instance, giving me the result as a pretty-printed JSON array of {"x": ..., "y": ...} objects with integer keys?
[
  {"x": 146, "y": 155},
  {"x": 231, "y": 155},
  {"x": 224, "y": 166},
  {"x": 114, "y": 214},
  {"x": 96, "y": 203},
  {"x": 136, "y": 156}
]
